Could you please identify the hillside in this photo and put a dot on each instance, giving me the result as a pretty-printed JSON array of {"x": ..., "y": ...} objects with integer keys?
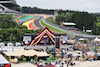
[{"x": 10, "y": 28}]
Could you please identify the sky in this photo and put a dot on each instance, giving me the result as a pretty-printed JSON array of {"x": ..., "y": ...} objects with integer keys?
[{"x": 91, "y": 6}]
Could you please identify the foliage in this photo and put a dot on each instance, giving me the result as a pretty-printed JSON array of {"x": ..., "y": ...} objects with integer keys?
[
  {"x": 80, "y": 18},
  {"x": 51, "y": 21},
  {"x": 42, "y": 11},
  {"x": 24, "y": 59},
  {"x": 8, "y": 27},
  {"x": 57, "y": 57},
  {"x": 19, "y": 9},
  {"x": 64, "y": 17},
  {"x": 52, "y": 58},
  {"x": 96, "y": 28},
  {"x": 36, "y": 58},
  {"x": 98, "y": 18},
  {"x": 7, "y": 21},
  {"x": 17, "y": 33},
  {"x": 84, "y": 19},
  {"x": 8, "y": 58},
  {"x": 36, "y": 10},
  {"x": 50, "y": 53}
]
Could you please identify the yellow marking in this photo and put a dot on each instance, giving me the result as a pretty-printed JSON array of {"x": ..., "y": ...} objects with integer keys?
[
  {"x": 41, "y": 24},
  {"x": 27, "y": 23}
]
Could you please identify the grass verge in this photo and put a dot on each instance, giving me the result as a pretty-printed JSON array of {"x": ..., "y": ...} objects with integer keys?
[
  {"x": 50, "y": 20},
  {"x": 52, "y": 29}
]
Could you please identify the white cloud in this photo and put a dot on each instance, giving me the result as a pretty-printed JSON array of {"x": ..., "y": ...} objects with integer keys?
[{"x": 81, "y": 5}]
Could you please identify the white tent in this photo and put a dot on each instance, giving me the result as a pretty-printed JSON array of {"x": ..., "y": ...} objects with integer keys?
[
  {"x": 81, "y": 39},
  {"x": 68, "y": 23},
  {"x": 70, "y": 52},
  {"x": 18, "y": 44},
  {"x": 96, "y": 39},
  {"x": 9, "y": 44},
  {"x": 90, "y": 54},
  {"x": 78, "y": 52},
  {"x": 71, "y": 41},
  {"x": 2, "y": 44},
  {"x": 3, "y": 60},
  {"x": 76, "y": 55}
]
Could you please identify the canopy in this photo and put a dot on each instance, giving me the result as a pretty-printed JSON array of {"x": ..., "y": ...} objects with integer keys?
[
  {"x": 81, "y": 39},
  {"x": 18, "y": 44},
  {"x": 2, "y": 44},
  {"x": 68, "y": 23},
  {"x": 9, "y": 44},
  {"x": 91, "y": 54},
  {"x": 3, "y": 60},
  {"x": 96, "y": 39},
  {"x": 70, "y": 52},
  {"x": 27, "y": 53},
  {"x": 71, "y": 41},
  {"x": 77, "y": 54},
  {"x": 97, "y": 54},
  {"x": 74, "y": 53}
]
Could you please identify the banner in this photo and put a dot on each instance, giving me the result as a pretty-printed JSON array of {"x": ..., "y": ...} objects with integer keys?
[
  {"x": 63, "y": 38},
  {"x": 45, "y": 39},
  {"x": 26, "y": 38}
]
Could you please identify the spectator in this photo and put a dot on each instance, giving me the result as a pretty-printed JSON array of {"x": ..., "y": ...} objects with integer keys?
[
  {"x": 56, "y": 62},
  {"x": 65, "y": 62},
  {"x": 62, "y": 64},
  {"x": 66, "y": 55},
  {"x": 71, "y": 64},
  {"x": 67, "y": 65},
  {"x": 31, "y": 60},
  {"x": 74, "y": 63}
]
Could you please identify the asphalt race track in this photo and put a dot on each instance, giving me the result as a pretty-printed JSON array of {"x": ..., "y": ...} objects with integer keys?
[
  {"x": 36, "y": 22},
  {"x": 32, "y": 23}
]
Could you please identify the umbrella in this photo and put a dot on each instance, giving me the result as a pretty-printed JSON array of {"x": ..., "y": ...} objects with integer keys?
[
  {"x": 47, "y": 66},
  {"x": 53, "y": 66},
  {"x": 50, "y": 65},
  {"x": 41, "y": 66}
]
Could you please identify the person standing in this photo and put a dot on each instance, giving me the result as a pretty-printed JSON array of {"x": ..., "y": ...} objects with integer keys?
[
  {"x": 62, "y": 55},
  {"x": 72, "y": 64},
  {"x": 31, "y": 60},
  {"x": 67, "y": 65}
]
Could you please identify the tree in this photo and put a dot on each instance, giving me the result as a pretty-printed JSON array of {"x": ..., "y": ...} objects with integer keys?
[
  {"x": 36, "y": 58},
  {"x": 96, "y": 28},
  {"x": 52, "y": 58},
  {"x": 8, "y": 27},
  {"x": 83, "y": 19},
  {"x": 64, "y": 17},
  {"x": 19, "y": 9},
  {"x": 42, "y": 11}
]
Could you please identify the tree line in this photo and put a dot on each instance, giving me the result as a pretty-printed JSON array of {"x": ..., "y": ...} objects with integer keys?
[
  {"x": 8, "y": 27},
  {"x": 42, "y": 11},
  {"x": 88, "y": 20}
]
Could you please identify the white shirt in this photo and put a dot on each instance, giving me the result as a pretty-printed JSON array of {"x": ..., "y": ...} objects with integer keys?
[{"x": 15, "y": 59}]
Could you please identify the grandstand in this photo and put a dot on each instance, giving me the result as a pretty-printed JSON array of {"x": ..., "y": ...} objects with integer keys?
[{"x": 8, "y": 7}]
